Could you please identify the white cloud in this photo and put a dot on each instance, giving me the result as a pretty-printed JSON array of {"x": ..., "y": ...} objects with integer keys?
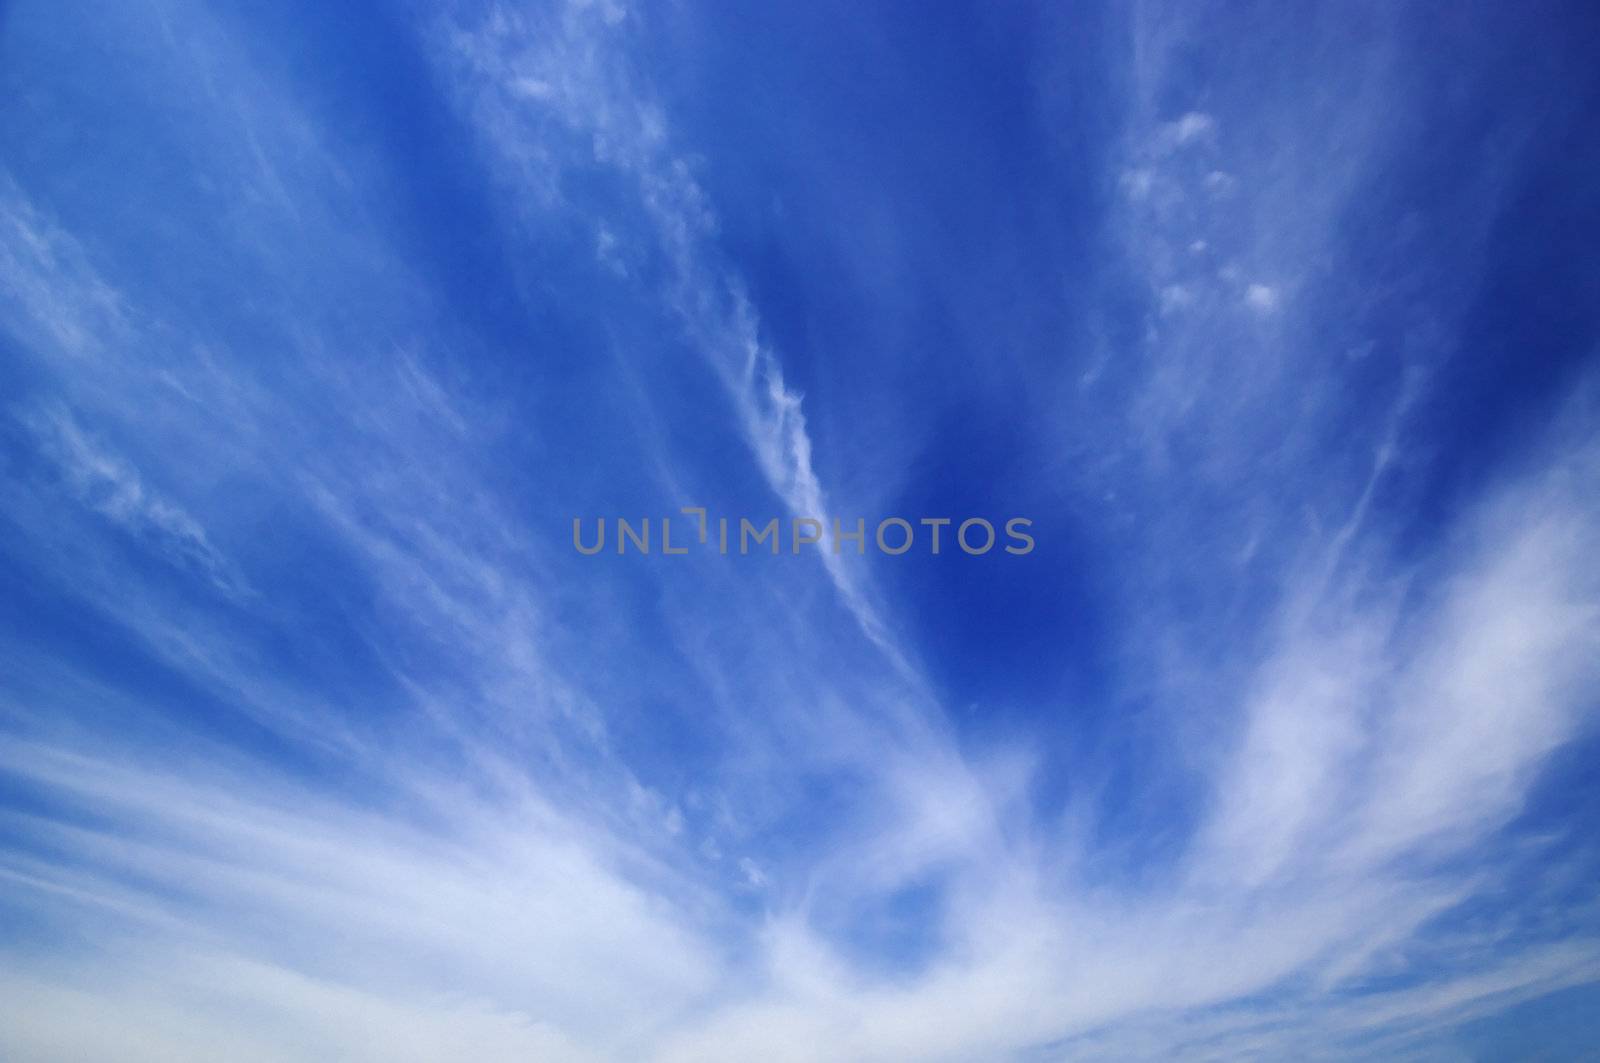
[
  {"x": 1220, "y": 183},
  {"x": 1175, "y": 297},
  {"x": 507, "y": 890},
  {"x": 597, "y": 98},
  {"x": 1193, "y": 126},
  {"x": 113, "y": 487},
  {"x": 1261, "y": 298}
]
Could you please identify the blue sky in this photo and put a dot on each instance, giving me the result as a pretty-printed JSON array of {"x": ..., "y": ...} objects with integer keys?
[{"x": 319, "y": 324}]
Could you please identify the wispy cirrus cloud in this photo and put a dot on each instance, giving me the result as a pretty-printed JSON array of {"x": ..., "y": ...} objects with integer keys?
[
  {"x": 435, "y": 777},
  {"x": 112, "y": 487}
]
